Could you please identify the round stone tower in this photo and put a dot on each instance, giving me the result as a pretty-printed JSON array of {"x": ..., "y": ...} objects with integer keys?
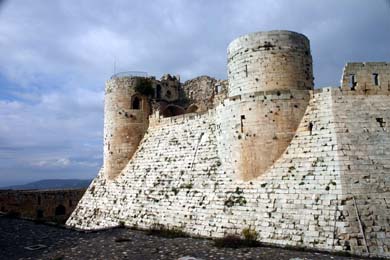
[
  {"x": 126, "y": 115},
  {"x": 270, "y": 77},
  {"x": 275, "y": 60}
]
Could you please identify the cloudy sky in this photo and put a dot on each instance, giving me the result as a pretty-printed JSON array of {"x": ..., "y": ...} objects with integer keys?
[{"x": 56, "y": 55}]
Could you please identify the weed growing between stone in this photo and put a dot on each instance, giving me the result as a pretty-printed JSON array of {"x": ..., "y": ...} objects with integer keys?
[
  {"x": 235, "y": 241},
  {"x": 162, "y": 231}
]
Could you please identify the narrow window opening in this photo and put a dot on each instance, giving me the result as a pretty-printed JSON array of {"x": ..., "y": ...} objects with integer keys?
[
  {"x": 242, "y": 123},
  {"x": 136, "y": 103},
  {"x": 70, "y": 203},
  {"x": 246, "y": 70},
  {"x": 352, "y": 81},
  {"x": 310, "y": 127},
  {"x": 216, "y": 89},
  {"x": 169, "y": 94},
  {"x": 158, "y": 91},
  {"x": 39, "y": 200},
  {"x": 375, "y": 79}
]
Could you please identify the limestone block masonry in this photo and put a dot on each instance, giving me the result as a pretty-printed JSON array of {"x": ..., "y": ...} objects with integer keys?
[
  {"x": 268, "y": 61},
  {"x": 301, "y": 167},
  {"x": 125, "y": 122},
  {"x": 255, "y": 129}
]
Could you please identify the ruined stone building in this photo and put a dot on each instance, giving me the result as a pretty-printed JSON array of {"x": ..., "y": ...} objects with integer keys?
[{"x": 264, "y": 150}]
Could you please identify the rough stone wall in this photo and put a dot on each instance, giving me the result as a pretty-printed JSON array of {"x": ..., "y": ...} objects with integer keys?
[
  {"x": 363, "y": 141},
  {"x": 222, "y": 92},
  {"x": 39, "y": 204},
  {"x": 275, "y": 60},
  {"x": 364, "y": 74},
  {"x": 177, "y": 179},
  {"x": 255, "y": 129},
  {"x": 264, "y": 69},
  {"x": 200, "y": 92},
  {"x": 124, "y": 126},
  {"x": 169, "y": 88}
]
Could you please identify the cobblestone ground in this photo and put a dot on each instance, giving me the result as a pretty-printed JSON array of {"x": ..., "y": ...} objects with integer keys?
[{"x": 122, "y": 243}]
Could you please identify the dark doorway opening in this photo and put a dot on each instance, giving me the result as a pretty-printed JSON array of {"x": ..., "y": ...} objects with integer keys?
[
  {"x": 39, "y": 213},
  {"x": 136, "y": 104},
  {"x": 172, "y": 110},
  {"x": 158, "y": 91},
  {"x": 60, "y": 210}
]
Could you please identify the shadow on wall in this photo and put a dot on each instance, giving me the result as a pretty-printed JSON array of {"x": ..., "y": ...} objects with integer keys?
[
  {"x": 60, "y": 210},
  {"x": 173, "y": 110}
]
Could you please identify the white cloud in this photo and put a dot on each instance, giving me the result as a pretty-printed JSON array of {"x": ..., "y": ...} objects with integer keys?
[{"x": 51, "y": 163}]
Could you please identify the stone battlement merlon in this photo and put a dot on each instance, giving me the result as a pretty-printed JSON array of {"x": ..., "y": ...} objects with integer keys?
[{"x": 367, "y": 77}]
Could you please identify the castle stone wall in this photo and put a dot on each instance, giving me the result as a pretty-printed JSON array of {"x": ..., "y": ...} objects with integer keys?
[
  {"x": 124, "y": 126},
  {"x": 40, "y": 204},
  {"x": 255, "y": 129},
  {"x": 301, "y": 167},
  {"x": 367, "y": 77},
  {"x": 363, "y": 141},
  {"x": 168, "y": 86},
  {"x": 308, "y": 198},
  {"x": 275, "y": 60},
  {"x": 201, "y": 92}
]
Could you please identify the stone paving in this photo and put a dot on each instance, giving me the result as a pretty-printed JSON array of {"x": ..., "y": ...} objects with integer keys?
[{"x": 122, "y": 243}]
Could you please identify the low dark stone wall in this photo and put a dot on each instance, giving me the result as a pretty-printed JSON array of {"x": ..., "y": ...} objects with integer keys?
[{"x": 44, "y": 205}]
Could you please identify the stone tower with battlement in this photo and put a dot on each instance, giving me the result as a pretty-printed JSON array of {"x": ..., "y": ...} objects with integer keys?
[
  {"x": 126, "y": 115},
  {"x": 127, "y": 107},
  {"x": 270, "y": 75}
]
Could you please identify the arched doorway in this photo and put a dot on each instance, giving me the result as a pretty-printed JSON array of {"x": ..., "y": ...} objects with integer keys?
[
  {"x": 172, "y": 110},
  {"x": 192, "y": 108},
  {"x": 60, "y": 210},
  {"x": 39, "y": 213},
  {"x": 136, "y": 103}
]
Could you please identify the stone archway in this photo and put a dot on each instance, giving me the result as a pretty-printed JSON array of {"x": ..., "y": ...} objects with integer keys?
[
  {"x": 60, "y": 210},
  {"x": 136, "y": 102},
  {"x": 192, "y": 109},
  {"x": 172, "y": 110}
]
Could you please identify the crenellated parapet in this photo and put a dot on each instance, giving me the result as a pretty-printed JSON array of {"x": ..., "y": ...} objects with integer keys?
[{"x": 367, "y": 77}]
